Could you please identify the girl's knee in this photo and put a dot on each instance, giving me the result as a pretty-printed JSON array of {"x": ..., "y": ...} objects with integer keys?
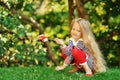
[{"x": 78, "y": 55}]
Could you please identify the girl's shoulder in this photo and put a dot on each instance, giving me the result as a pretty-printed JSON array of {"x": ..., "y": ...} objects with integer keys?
[{"x": 71, "y": 39}]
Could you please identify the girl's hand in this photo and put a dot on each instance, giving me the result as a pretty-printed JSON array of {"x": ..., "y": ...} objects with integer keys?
[
  {"x": 59, "y": 41},
  {"x": 58, "y": 68}
]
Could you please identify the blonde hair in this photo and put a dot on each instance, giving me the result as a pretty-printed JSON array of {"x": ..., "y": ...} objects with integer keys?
[{"x": 91, "y": 44}]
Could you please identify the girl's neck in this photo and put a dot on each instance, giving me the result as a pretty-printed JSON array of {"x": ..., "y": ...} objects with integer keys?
[{"x": 76, "y": 39}]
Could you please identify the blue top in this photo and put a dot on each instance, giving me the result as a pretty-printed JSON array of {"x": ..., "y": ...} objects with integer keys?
[{"x": 71, "y": 45}]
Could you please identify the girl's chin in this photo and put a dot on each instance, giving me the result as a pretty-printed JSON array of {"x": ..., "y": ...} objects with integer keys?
[{"x": 75, "y": 38}]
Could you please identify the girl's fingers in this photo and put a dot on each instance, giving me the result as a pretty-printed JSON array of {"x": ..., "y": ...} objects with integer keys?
[{"x": 59, "y": 41}]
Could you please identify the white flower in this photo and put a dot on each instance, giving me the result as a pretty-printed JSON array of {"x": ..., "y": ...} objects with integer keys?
[
  {"x": 0, "y": 36},
  {"x": 20, "y": 26},
  {"x": 4, "y": 40}
]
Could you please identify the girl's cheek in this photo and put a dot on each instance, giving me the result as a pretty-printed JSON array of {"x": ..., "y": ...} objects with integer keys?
[{"x": 79, "y": 34}]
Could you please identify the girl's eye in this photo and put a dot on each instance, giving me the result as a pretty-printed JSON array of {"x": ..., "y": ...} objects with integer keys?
[
  {"x": 73, "y": 28},
  {"x": 78, "y": 30}
]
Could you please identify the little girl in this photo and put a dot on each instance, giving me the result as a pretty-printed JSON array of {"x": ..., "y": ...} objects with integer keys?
[{"x": 82, "y": 49}]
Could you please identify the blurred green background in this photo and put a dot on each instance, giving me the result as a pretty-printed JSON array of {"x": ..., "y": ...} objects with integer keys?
[{"x": 18, "y": 44}]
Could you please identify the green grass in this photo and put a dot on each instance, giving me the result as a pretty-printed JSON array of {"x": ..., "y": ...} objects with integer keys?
[{"x": 44, "y": 73}]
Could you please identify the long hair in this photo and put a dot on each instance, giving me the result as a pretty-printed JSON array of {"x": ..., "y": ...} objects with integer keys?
[{"x": 91, "y": 44}]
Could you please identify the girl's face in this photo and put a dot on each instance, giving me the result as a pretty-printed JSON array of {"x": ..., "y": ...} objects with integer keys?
[{"x": 76, "y": 31}]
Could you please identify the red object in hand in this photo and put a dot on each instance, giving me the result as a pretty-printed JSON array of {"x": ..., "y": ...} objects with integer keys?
[{"x": 43, "y": 38}]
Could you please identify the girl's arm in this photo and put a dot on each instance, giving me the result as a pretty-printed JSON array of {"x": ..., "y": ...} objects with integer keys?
[
  {"x": 67, "y": 49},
  {"x": 59, "y": 41}
]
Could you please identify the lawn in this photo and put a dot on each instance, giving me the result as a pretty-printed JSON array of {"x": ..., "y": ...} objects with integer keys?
[{"x": 45, "y": 73}]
